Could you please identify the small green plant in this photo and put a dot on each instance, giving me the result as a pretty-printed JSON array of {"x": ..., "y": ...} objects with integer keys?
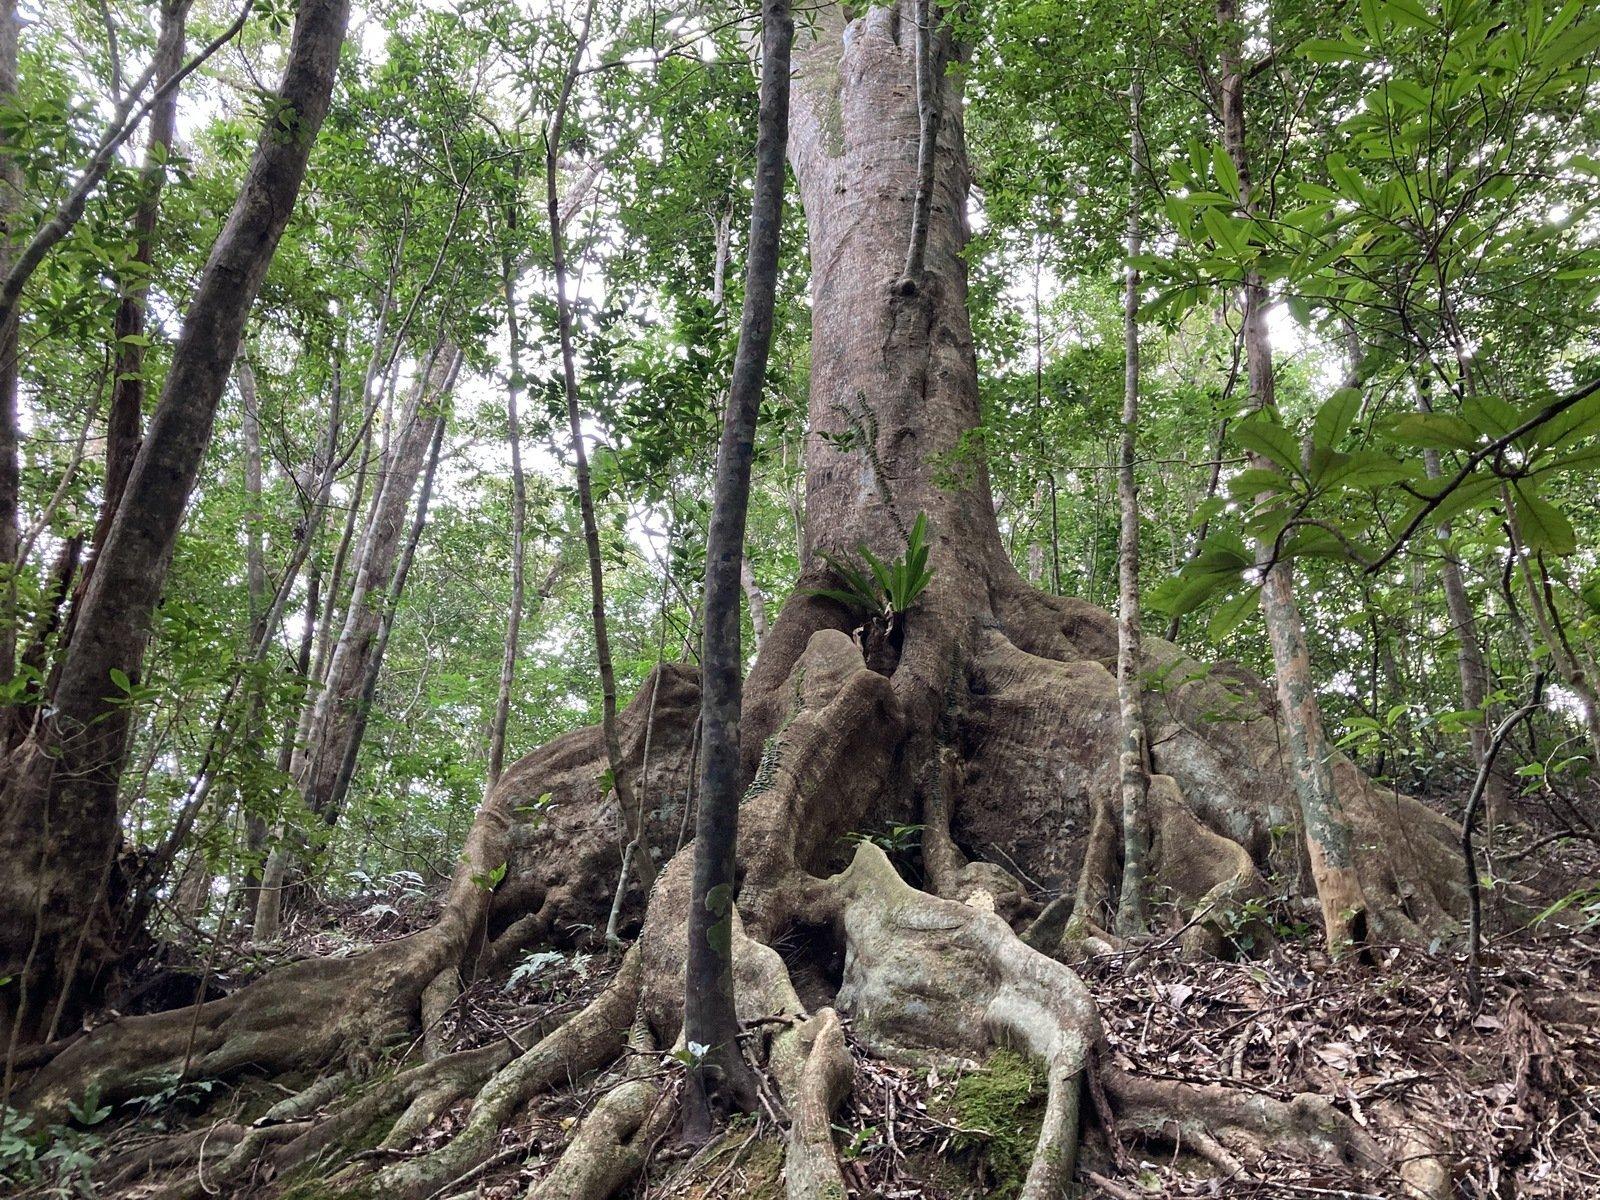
[
  {"x": 52, "y": 1160},
  {"x": 883, "y": 590},
  {"x": 896, "y": 839},
  {"x": 1584, "y": 901},
  {"x": 860, "y": 1142}
]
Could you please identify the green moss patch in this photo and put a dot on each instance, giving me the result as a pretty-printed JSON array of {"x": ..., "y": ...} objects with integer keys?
[{"x": 999, "y": 1109}]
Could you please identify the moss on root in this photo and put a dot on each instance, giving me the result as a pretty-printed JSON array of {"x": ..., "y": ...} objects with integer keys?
[
  {"x": 736, "y": 1166},
  {"x": 1000, "y": 1109}
]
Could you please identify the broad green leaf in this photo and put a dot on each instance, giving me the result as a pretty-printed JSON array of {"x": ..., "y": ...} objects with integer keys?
[
  {"x": 1260, "y": 434},
  {"x": 1544, "y": 527},
  {"x": 1227, "y": 173},
  {"x": 1434, "y": 431},
  {"x": 1334, "y": 418},
  {"x": 1231, "y": 613}
]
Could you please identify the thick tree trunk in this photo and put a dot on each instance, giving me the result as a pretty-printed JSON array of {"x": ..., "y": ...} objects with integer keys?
[
  {"x": 1327, "y": 829},
  {"x": 58, "y": 809},
  {"x": 720, "y": 1078}
]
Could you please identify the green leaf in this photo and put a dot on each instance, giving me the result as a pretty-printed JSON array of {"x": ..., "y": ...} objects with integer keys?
[
  {"x": 1250, "y": 483},
  {"x": 1334, "y": 418},
  {"x": 1544, "y": 527},
  {"x": 1367, "y": 469},
  {"x": 120, "y": 678},
  {"x": 1490, "y": 415},
  {"x": 1207, "y": 510},
  {"x": 1260, "y": 434},
  {"x": 1232, "y": 613},
  {"x": 1327, "y": 50},
  {"x": 1434, "y": 431},
  {"x": 1179, "y": 595},
  {"x": 1226, "y": 172},
  {"x": 1590, "y": 591}
]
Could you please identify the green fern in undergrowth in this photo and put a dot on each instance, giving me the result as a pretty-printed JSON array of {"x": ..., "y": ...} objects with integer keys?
[{"x": 881, "y": 589}]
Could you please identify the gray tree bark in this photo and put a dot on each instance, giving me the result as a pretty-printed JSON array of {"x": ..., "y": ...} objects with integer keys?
[
  {"x": 1327, "y": 831},
  {"x": 58, "y": 803},
  {"x": 1134, "y": 781},
  {"x": 720, "y": 1078}
]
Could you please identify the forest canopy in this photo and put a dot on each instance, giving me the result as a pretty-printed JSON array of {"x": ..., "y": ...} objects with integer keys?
[{"x": 605, "y": 598}]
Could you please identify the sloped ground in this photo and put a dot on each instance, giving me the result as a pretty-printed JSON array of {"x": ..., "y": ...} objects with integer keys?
[{"x": 1507, "y": 1094}]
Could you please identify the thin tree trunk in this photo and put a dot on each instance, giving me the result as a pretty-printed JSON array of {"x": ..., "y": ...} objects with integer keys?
[
  {"x": 927, "y": 145},
  {"x": 519, "y": 520},
  {"x": 1470, "y": 663},
  {"x": 125, "y": 418},
  {"x": 719, "y": 265},
  {"x": 390, "y": 611},
  {"x": 643, "y": 864},
  {"x": 720, "y": 1075},
  {"x": 755, "y": 597},
  {"x": 334, "y": 723},
  {"x": 255, "y": 565},
  {"x": 1574, "y": 672},
  {"x": 1327, "y": 831},
  {"x": 1134, "y": 781},
  {"x": 58, "y": 809},
  {"x": 10, "y": 463},
  {"x": 1038, "y": 409}
]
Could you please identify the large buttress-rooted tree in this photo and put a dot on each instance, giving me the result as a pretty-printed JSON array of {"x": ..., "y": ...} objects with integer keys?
[
  {"x": 58, "y": 807},
  {"x": 989, "y": 712}
]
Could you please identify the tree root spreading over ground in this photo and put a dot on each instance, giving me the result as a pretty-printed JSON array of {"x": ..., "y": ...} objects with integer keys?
[{"x": 1279, "y": 1072}]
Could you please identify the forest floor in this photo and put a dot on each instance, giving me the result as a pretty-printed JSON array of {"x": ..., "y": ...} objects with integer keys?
[{"x": 1509, "y": 1089}]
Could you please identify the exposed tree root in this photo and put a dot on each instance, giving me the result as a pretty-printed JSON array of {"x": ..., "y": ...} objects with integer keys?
[
  {"x": 615, "y": 1140},
  {"x": 1030, "y": 757},
  {"x": 585, "y": 1043},
  {"x": 1234, "y": 1129},
  {"x": 811, "y": 1165}
]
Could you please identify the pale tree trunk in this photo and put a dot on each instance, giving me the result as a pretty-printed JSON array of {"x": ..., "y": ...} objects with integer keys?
[
  {"x": 59, "y": 805},
  {"x": 720, "y": 1078},
  {"x": 322, "y": 764},
  {"x": 1470, "y": 662},
  {"x": 755, "y": 598},
  {"x": 255, "y": 564},
  {"x": 389, "y": 613},
  {"x": 633, "y": 818},
  {"x": 1327, "y": 832},
  {"x": 519, "y": 523},
  {"x": 333, "y": 723},
  {"x": 255, "y": 567},
  {"x": 1134, "y": 782}
]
